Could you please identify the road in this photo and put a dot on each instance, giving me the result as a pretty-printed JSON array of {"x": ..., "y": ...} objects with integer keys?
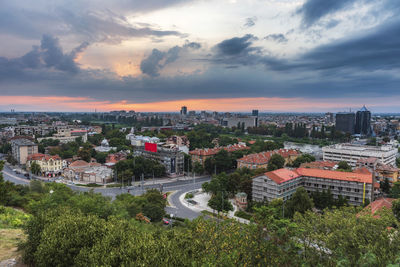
[{"x": 177, "y": 187}]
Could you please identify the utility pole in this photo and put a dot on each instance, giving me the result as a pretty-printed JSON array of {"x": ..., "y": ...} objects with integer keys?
[{"x": 142, "y": 183}]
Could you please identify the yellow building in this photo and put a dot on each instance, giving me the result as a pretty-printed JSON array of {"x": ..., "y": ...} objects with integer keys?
[{"x": 50, "y": 165}]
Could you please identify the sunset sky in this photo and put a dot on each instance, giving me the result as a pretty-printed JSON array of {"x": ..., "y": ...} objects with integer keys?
[{"x": 222, "y": 55}]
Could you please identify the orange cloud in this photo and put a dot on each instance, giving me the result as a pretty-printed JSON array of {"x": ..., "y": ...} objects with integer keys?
[{"x": 61, "y": 103}]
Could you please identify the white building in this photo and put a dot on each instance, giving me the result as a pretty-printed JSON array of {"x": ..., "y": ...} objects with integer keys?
[
  {"x": 351, "y": 153},
  {"x": 140, "y": 140},
  {"x": 105, "y": 147}
]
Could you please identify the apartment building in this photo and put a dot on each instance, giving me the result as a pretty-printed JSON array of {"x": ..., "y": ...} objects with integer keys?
[
  {"x": 282, "y": 183},
  {"x": 49, "y": 165},
  {"x": 22, "y": 148},
  {"x": 172, "y": 159},
  {"x": 200, "y": 155},
  {"x": 66, "y": 135},
  {"x": 260, "y": 160},
  {"x": 351, "y": 153}
]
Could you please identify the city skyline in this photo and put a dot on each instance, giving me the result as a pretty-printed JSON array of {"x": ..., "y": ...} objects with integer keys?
[{"x": 225, "y": 55}]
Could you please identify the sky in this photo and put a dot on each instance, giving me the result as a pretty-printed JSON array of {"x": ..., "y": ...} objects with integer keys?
[{"x": 216, "y": 55}]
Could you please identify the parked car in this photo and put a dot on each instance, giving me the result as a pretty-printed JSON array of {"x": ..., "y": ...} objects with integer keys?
[{"x": 165, "y": 221}]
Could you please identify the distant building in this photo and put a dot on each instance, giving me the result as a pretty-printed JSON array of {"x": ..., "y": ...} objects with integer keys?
[
  {"x": 50, "y": 166},
  {"x": 200, "y": 155},
  {"x": 88, "y": 172},
  {"x": 323, "y": 165},
  {"x": 241, "y": 200},
  {"x": 345, "y": 122},
  {"x": 22, "y": 148},
  {"x": 363, "y": 122},
  {"x": 67, "y": 135},
  {"x": 239, "y": 121},
  {"x": 104, "y": 147},
  {"x": 260, "y": 160},
  {"x": 254, "y": 112},
  {"x": 184, "y": 110},
  {"x": 282, "y": 183},
  {"x": 329, "y": 117},
  {"x": 351, "y": 153},
  {"x": 171, "y": 158}
]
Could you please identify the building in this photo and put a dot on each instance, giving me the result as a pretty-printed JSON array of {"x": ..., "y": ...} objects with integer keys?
[
  {"x": 22, "y": 148},
  {"x": 184, "y": 110},
  {"x": 88, "y": 172},
  {"x": 171, "y": 158},
  {"x": 181, "y": 142},
  {"x": 140, "y": 140},
  {"x": 351, "y": 153},
  {"x": 200, "y": 155},
  {"x": 323, "y": 165},
  {"x": 345, "y": 122},
  {"x": 260, "y": 160},
  {"x": 105, "y": 147},
  {"x": 254, "y": 112},
  {"x": 282, "y": 183},
  {"x": 382, "y": 171},
  {"x": 50, "y": 166},
  {"x": 241, "y": 201},
  {"x": 363, "y": 122},
  {"x": 239, "y": 121},
  {"x": 66, "y": 135},
  {"x": 376, "y": 206}
]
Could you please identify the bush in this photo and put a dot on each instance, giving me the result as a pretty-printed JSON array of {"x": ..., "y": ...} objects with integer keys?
[
  {"x": 12, "y": 218},
  {"x": 243, "y": 214},
  {"x": 188, "y": 195}
]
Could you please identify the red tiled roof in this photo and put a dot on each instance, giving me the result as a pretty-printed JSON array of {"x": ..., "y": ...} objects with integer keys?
[
  {"x": 362, "y": 170},
  {"x": 319, "y": 164},
  {"x": 281, "y": 175},
  {"x": 336, "y": 175},
  {"x": 39, "y": 156},
  {"x": 79, "y": 163},
  {"x": 376, "y": 206},
  {"x": 213, "y": 151},
  {"x": 263, "y": 157}
]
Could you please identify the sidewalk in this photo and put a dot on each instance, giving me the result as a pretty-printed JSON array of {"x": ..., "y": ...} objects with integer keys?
[{"x": 202, "y": 204}]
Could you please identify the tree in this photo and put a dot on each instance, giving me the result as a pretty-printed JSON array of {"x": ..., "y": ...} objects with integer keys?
[
  {"x": 35, "y": 168},
  {"x": 299, "y": 202},
  {"x": 343, "y": 165},
  {"x": 154, "y": 212},
  {"x": 198, "y": 168},
  {"x": 85, "y": 154},
  {"x": 220, "y": 202},
  {"x": 275, "y": 162},
  {"x": 101, "y": 157},
  {"x": 385, "y": 186}
]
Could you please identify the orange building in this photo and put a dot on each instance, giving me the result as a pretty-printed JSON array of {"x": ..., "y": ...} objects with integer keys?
[
  {"x": 200, "y": 155},
  {"x": 260, "y": 160}
]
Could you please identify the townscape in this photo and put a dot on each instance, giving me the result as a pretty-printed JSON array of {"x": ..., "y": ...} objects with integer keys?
[
  {"x": 219, "y": 167},
  {"x": 206, "y": 133}
]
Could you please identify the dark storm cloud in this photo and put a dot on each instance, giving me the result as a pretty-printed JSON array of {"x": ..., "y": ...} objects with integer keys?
[
  {"x": 49, "y": 55},
  {"x": 277, "y": 37},
  {"x": 83, "y": 19},
  {"x": 157, "y": 60},
  {"x": 250, "y": 22},
  {"x": 313, "y": 10},
  {"x": 236, "y": 46}
]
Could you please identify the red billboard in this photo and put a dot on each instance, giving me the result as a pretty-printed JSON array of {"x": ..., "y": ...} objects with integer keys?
[{"x": 150, "y": 147}]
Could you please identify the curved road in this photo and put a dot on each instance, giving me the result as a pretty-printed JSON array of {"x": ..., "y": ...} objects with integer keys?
[{"x": 177, "y": 187}]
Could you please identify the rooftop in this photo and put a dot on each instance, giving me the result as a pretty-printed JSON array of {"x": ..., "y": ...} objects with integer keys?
[
  {"x": 336, "y": 175},
  {"x": 39, "y": 156},
  {"x": 23, "y": 142},
  {"x": 282, "y": 175},
  {"x": 263, "y": 157}
]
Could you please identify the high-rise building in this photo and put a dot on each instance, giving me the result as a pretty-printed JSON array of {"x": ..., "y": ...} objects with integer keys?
[
  {"x": 184, "y": 110},
  {"x": 363, "y": 122},
  {"x": 254, "y": 112},
  {"x": 345, "y": 122}
]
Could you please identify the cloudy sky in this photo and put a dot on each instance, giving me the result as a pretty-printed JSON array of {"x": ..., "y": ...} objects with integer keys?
[{"x": 224, "y": 55}]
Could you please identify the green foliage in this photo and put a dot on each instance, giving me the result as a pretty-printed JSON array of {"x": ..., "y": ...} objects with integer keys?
[
  {"x": 325, "y": 199},
  {"x": 198, "y": 168},
  {"x": 137, "y": 166},
  {"x": 35, "y": 168},
  {"x": 12, "y": 218},
  {"x": 343, "y": 165},
  {"x": 385, "y": 186},
  {"x": 396, "y": 208},
  {"x": 357, "y": 240},
  {"x": 299, "y": 202},
  {"x": 101, "y": 157},
  {"x": 275, "y": 162},
  {"x": 220, "y": 202},
  {"x": 395, "y": 190},
  {"x": 243, "y": 214},
  {"x": 303, "y": 159}
]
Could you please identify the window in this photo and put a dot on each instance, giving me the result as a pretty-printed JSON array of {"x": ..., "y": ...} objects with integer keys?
[
  {"x": 357, "y": 190},
  {"x": 348, "y": 197},
  {"x": 315, "y": 185},
  {"x": 348, "y": 189},
  {"x": 323, "y": 186},
  {"x": 331, "y": 187},
  {"x": 356, "y": 198},
  {"x": 340, "y": 188}
]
